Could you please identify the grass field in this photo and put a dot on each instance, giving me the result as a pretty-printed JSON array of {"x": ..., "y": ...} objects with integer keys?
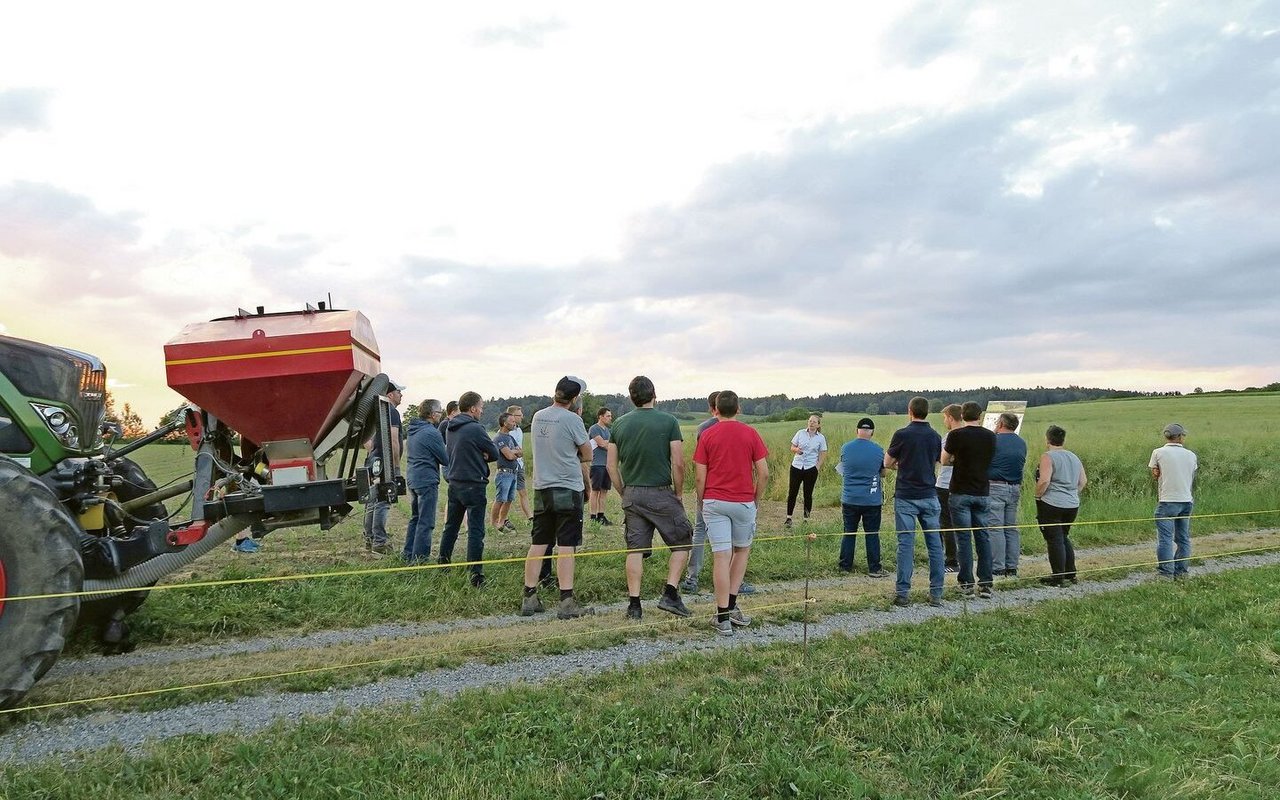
[
  {"x": 1233, "y": 435},
  {"x": 1165, "y": 690}
]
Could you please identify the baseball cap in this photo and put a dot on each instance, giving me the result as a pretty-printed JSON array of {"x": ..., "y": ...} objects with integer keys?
[
  {"x": 395, "y": 387},
  {"x": 1174, "y": 430},
  {"x": 866, "y": 424},
  {"x": 570, "y": 386}
]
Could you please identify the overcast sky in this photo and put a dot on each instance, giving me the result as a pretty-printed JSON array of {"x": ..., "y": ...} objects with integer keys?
[{"x": 797, "y": 198}]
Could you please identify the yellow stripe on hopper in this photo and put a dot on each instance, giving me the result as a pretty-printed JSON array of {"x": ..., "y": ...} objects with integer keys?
[{"x": 211, "y": 359}]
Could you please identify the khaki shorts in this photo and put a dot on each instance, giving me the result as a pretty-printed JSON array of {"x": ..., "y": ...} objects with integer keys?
[{"x": 647, "y": 508}]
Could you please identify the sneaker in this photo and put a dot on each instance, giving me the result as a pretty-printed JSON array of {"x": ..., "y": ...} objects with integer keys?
[
  {"x": 477, "y": 579},
  {"x": 1049, "y": 580},
  {"x": 879, "y": 573},
  {"x": 967, "y": 590},
  {"x": 531, "y": 605},
  {"x": 950, "y": 570},
  {"x": 736, "y": 617},
  {"x": 675, "y": 606},
  {"x": 570, "y": 608},
  {"x": 986, "y": 592},
  {"x": 380, "y": 550},
  {"x": 507, "y": 526},
  {"x": 936, "y": 602},
  {"x": 368, "y": 545},
  {"x": 786, "y": 523},
  {"x": 901, "y": 601},
  {"x": 723, "y": 627},
  {"x": 246, "y": 546},
  {"x": 635, "y": 612},
  {"x": 746, "y": 588},
  {"x": 689, "y": 585},
  {"x": 605, "y": 520}
]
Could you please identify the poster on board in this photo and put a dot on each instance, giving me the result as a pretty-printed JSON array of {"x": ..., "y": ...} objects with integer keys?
[{"x": 997, "y": 407}]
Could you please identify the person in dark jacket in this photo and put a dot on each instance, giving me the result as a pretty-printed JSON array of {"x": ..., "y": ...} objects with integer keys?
[
  {"x": 426, "y": 456},
  {"x": 470, "y": 451}
]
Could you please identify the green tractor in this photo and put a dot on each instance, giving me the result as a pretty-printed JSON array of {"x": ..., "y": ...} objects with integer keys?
[
  {"x": 281, "y": 406},
  {"x": 63, "y": 504}
]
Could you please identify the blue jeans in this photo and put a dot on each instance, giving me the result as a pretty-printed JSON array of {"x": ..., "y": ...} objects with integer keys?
[
  {"x": 870, "y": 517},
  {"x": 422, "y": 521},
  {"x": 700, "y": 546},
  {"x": 1006, "y": 540},
  {"x": 375, "y": 518},
  {"x": 1171, "y": 533},
  {"x": 469, "y": 499},
  {"x": 906, "y": 513},
  {"x": 970, "y": 511}
]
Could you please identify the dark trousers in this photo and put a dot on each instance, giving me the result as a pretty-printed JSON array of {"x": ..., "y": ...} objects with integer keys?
[
  {"x": 1055, "y": 525},
  {"x": 801, "y": 477},
  {"x": 949, "y": 537},
  {"x": 870, "y": 518},
  {"x": 465, "y": 499}
]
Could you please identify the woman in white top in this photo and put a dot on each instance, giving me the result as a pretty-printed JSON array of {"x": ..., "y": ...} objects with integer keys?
[{"x": 809, "y": 447}]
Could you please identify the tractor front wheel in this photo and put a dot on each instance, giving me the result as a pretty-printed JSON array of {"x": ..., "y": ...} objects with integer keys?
[{"x": 38, "y": 556}]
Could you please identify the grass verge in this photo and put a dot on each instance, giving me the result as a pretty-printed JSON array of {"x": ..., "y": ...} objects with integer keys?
[{"x": 1161, "y": 690}]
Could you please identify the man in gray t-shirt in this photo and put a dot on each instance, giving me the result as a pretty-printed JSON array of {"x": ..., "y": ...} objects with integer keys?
[
  {"x": 560, "y": 458},
  {"x": 600, "y": 483}
]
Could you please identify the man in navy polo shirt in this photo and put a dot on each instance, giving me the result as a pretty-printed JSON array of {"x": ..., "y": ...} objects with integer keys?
[
  {"x": 914, "y": 452},
  {"x": 1006, "y": 493},
  {"x": 862, "y": 497}
]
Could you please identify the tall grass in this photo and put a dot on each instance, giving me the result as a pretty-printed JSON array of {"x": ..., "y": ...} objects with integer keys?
[{"x": 1234, "y": 436}]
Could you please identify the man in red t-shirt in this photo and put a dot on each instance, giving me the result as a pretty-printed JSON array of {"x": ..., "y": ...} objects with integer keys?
[{"x": 732, "y": 472}]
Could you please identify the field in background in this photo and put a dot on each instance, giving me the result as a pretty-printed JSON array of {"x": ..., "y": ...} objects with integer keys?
[{"x": 1233, "y": 435}]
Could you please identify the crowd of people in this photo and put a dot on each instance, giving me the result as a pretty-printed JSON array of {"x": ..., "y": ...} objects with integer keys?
[{"x": 961, "y": 491}]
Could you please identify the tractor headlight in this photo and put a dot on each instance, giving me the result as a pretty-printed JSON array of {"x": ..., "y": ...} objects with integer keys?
[{"x": 59, "y": 423}]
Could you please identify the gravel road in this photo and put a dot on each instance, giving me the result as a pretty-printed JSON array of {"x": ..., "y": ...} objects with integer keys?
[{"x": 243, "y": 716}]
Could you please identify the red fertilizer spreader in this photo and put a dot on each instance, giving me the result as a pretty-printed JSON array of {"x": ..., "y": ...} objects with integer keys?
[{"x": 275, "y": 396}]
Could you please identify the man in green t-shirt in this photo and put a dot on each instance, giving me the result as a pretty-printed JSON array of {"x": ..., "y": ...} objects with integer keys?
[{"x": 646, "y": 465}]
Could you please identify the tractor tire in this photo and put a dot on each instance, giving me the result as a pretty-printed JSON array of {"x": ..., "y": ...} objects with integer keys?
[{"x": 38, "y": 555}]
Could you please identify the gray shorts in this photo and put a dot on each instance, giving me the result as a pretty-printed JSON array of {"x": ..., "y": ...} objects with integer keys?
[
  {"x": 647, "y": 508},
  {"x": 729, "y": 524},
  {"x": 520, "y": 478}
]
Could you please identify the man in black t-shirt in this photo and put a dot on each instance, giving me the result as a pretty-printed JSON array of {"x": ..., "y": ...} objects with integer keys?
[
  {"x": 969, "y": 449},
  {"x": 376, "y": 543}
]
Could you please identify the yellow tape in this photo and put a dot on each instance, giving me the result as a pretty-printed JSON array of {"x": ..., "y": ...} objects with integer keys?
[
  {"x": 377, "y": 662},
  {"x": 525, "y": 642},
  {"x": 521, "y": 559}
]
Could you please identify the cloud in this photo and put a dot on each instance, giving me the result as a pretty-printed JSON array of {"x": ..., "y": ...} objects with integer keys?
[
  {"x": 1148, "y": 239},
  {"x": 23, "y": 109},
  {"x": 42, "y": 222},
  {"x": 527, "y": 33}
]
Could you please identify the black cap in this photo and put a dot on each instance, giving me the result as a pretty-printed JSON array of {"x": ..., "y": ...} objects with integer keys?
[
  {"x": 570, "y": 386},
  {"x": 865, "y": 424}
]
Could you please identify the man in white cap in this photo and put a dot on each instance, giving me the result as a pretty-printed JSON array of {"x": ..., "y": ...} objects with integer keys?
[
  {"x": 1174, "y": 468},
  {"x": 561, "y": 456}
]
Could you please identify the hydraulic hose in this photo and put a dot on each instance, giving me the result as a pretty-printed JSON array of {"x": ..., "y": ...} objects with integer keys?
[{"x": 148, "y": 572}]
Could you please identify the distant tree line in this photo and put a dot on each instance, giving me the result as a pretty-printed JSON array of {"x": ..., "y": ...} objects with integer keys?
[{"x": 779, "y": 405}]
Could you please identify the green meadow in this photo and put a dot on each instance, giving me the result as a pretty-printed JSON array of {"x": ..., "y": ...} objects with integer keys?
[
  {"x": 1162, "y": 691},
  {"x": 1233, "y": 435}
]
